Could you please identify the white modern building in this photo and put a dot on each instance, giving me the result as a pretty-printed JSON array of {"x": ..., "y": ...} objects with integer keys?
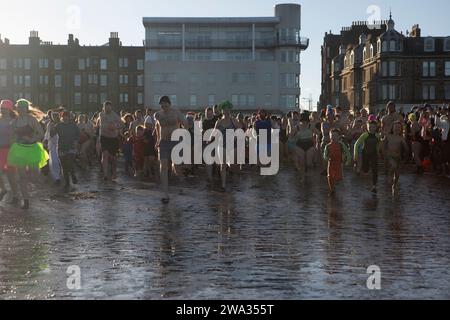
[{"x": 253, "y": 62}]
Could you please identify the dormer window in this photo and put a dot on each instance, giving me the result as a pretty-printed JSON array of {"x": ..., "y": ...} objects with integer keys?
[
  {"x": 352, "y": 58},
  {"x": 392, "y": 45},
  {"x": 447, "y": 44},
  {"x": 429, "y": 45},
  {"x": 385, "y": 46}
]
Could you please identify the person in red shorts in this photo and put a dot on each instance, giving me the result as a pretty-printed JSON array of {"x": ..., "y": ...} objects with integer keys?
[{"x": 336, "y": 154}]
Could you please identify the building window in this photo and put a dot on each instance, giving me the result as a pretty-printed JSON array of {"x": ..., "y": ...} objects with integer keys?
[
  {"x": 447, "y": 91},
  {"x": 43, "y": 80},
  {"x": 193, "y": 100},
  {"x": 289, "y": 101},
  {"x": 58, "y": 64},
  {"x": 104, "y": 80},
  {"x": 235, "y": 99},
  {"x": 447, "y": 68},
  {"x": 124, "y": 98},
  {"x": 392, "y": 69},
  {"x": 365, "y": 54},
  {"x": 447, "y": 44},
  {"x": 3, "y": 64},
  {"x": 429, "y": 68},
  {"x": 103, "y": 97},
  {"x": 43, "y": 63},
  {"x": 268, "y": 100},
  {"x": 251, "y": 100},
  {"x": 103, "y": 64},
  {"x": 58, "y": 81},
  {"x": 243, "y": 78},
  {"x": 27, "y": 81},
  {"x": 289, "y": 80},
  {"x": 140, "y": 64},
  {"x": 140, "y": 80},
  {"x": 429, "y": 45},
  {"x": 81, "y": 64},
  {"x": 77, "y": 98},
  {"x": 18, "y": 63},
  {"x": 93, "y": 79},
  {"x": 123, "y": 79},
  {"x": 156, "y": 99},
  {"x": 429, "y": 92},
  {"x": 352, "y": 58},
  {"x": 123, "y": 63},
  {"x": 173, "y": 99},
  {"x": 140, "y": 98},
  {"x": 3, "y": 81},
  {"x": 393, "y": 45},
  {"x": 389, "y": 91},
  {"x": 43, "y": 97},
  {"x": 385, "y": 46},
  {"x": 371, "y": 51},
  {"x": 211, "y": 99},
  {"x": 93, "y": 98},
  {"x": 27, "y": 64},
  {"x": 77, "y": 80}
]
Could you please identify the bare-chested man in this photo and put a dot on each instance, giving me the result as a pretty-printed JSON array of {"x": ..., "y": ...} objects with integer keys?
[
  {"x": 387, "y": 123},
  {"x": 394, "y": 144},
  {"x": 167, "y": 121}
]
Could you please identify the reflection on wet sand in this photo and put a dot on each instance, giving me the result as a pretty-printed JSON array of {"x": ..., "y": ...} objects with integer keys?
[{"x": 268, "y": 238}]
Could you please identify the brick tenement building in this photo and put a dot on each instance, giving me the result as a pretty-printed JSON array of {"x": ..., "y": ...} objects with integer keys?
[
  {"x": 79, "y": 77},
  {"x": 365, "y": 67}
]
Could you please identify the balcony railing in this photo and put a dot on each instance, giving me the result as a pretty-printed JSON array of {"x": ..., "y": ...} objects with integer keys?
[{"x": 302, "y": 43}]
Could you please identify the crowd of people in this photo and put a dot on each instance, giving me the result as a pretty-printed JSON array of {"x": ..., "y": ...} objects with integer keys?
[{"x": 59, "y": 143}]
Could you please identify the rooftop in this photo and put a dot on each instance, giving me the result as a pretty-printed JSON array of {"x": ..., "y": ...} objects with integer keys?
[{"x": 185, "y": 20}]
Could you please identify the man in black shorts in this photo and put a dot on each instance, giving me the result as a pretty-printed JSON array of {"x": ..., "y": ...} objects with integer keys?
[{"x": 109, "y": 124}]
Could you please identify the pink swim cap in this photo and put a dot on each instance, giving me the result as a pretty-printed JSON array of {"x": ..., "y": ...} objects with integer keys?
[
  {"x": 7, "y": 105},
  {"x": 372, "y": 118}
]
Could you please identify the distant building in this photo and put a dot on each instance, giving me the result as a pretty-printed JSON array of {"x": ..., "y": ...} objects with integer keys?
[
  {"x": 79, "y": 77},
  {"x": 368, "y": 65},
  {"x": 253, "y": 62}
]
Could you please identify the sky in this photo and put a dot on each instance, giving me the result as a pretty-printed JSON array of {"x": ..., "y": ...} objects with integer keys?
[{"x": 92, "y": 21}]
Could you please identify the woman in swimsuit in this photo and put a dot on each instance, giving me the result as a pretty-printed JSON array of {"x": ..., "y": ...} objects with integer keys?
[
  {"x": 27, "y": 154},
  {"x": 304, "y": 151}
]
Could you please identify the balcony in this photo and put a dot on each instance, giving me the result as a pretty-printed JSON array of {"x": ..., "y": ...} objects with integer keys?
[
  {"x": 195, "y": 43},
  {"x": 301, "y": 42}
]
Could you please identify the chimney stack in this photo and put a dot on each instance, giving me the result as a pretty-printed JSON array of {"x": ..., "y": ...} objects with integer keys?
[
  {"x": 34, "y": 38},
  {"x": 416, "y": 32},
  {"x": 114, "y": 40}
]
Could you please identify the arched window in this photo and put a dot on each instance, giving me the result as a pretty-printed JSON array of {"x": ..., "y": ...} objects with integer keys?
[
  {"x": 379, "y": 46},
  {"x": 429, "y": 45},
  {"x": 447, "y": 44},
  {"x": 365, "y": 53},
  {"x": 393, "y": 45},
  {"x": 352, "y": 58},
  {"x": 385, "y": 46},
  {"x": 371, "y": 51}
]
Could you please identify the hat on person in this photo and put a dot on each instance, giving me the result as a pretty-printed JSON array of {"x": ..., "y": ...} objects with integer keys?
[
  {"x": 372, "y": 118},
  {"x": 7, "y": 105},
  {"x": 23, "y": 104},
  {"x": 226, "y": 105},
  {"x": 412, "y": 117}
]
